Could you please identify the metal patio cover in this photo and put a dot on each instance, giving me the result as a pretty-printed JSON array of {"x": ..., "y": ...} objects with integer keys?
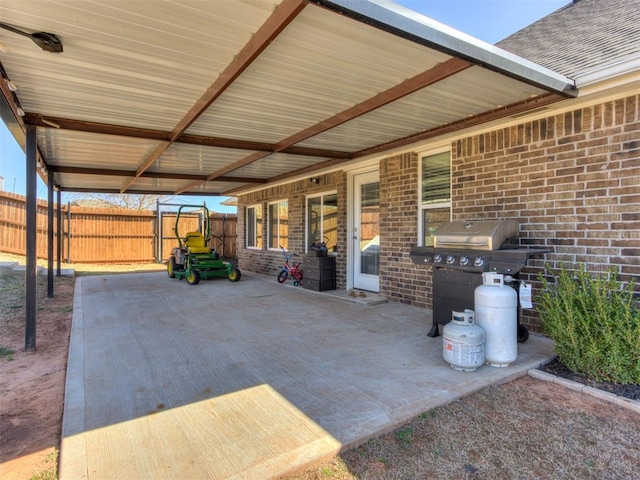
[{"x": 213, "y": 97}]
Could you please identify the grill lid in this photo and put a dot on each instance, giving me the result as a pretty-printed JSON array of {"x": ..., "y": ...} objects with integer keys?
[{"x": 481, "y": 235}]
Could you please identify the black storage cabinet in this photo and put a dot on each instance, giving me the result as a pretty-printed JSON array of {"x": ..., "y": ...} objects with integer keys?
[{"x": 319, "y": 273}]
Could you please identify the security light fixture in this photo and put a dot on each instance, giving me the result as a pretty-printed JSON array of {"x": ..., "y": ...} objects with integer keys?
[{"x": 46, "y": 41}]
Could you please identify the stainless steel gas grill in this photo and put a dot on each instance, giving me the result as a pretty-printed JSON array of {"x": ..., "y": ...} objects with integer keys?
[{"x": 461, "y": 252}]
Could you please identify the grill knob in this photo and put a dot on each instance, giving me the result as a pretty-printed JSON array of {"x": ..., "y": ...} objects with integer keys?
[
  {"x": 437, "y": 258},
  {"x": 478, "y": 262},
  {"x": 450, "y": 260},
  {"x": 464, "y": 260}
]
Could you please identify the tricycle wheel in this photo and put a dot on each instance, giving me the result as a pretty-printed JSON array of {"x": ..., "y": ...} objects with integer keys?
[
  {"x": 171, "y": 267},
  {"x": 282, "y": 276},
  {"x": 193, "y": 278},
  {"x": 234, "y": 275}
]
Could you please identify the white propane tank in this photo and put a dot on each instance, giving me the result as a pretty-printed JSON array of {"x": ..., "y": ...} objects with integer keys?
[
  {"x": 496, "y": 308},
  {"x": 463, "y": 342}
]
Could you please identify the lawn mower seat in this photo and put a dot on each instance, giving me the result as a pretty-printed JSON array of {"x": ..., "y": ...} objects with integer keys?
[{"x": 195, "y": 243}]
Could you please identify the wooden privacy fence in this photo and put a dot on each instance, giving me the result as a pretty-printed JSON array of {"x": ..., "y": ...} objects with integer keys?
[{"x": 99, "y": 235}]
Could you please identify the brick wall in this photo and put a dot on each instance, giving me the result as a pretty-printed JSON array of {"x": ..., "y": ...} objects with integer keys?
[
  {"x": 269, "y": 262},
  {"x": 571, "y": 180},
  {"x": 401, "y": 280}
]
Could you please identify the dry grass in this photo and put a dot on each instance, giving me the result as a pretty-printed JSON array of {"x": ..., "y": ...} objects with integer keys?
[{"x": 526, "y": 429}]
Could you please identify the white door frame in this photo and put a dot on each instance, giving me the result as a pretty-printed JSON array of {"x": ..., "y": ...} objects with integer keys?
[{"x": 351, "y": 217}]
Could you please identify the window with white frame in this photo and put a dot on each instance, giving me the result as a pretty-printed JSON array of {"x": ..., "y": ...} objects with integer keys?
[
  {"x": 278, "y": 225},
  {"x": 322, "y": 220},
  {"x": 254, "y": 226},
  {"x": 435, "y": 194}
]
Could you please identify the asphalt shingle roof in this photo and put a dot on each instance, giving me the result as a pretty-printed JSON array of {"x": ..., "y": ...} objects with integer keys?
[{"x": 581, "y": 36}]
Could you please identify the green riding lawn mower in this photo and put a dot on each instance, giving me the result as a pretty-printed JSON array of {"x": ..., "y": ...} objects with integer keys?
[{"x": 193, "y": 259}]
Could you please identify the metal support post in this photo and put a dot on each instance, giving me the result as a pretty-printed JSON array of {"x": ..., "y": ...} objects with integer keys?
[
  {"x": 31, "y": 262},
  {"x": 49, "y": 234},
  {"x": 59, "y": 244},
  {"x": 68, "y": 232}
]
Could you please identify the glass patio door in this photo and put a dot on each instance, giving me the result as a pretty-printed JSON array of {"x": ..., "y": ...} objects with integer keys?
[{"x": 366, "y": 231}]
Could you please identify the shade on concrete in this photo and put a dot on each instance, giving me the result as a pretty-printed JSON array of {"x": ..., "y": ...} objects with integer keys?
[{"x": 244, "y": 380}]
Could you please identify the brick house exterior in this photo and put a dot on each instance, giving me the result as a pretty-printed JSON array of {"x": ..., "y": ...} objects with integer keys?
[{"x": 570, "y": 176}]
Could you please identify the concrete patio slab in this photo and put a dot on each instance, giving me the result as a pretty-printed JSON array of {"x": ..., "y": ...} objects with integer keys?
[{"x": 244, "y": 380}]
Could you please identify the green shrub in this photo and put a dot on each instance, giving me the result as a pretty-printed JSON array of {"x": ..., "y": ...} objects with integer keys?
[{"x": 594, "y": 321}]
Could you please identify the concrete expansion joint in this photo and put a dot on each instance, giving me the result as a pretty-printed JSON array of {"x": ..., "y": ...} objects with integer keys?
[{"x": 633, "y": 405}]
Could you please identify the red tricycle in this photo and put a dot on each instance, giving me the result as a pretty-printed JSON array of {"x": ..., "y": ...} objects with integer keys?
[{"x": 292, "y": 269}]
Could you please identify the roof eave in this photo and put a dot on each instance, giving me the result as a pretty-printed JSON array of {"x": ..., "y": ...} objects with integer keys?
[{"x": 604, "y": 73}]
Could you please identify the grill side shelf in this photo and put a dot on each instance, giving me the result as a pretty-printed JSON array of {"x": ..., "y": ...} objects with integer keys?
[{"x": 520, "y": 254}]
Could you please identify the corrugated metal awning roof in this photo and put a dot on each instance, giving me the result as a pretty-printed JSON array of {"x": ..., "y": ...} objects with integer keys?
[{"x": 209, "y": 98}]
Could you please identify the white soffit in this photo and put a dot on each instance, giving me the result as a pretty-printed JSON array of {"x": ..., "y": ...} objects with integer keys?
[
  {"x": 196, "y": 159},
  {"x": 319, "y": 66},
  {"x": 93, "y": 183},
  {"x": 80, "y": 149},
  {"x": 147, "y": 184},
  {"x": 124, "y": 62},
  {"x": 277, "y": 164},
  {"x": 213, "y": 188},
  {"x": 468, "y": 93}
]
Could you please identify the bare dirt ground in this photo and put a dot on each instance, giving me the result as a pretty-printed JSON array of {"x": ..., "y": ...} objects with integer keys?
[
  {"x": 524, "y": 429},
  {"x": 32, "y": 383}
]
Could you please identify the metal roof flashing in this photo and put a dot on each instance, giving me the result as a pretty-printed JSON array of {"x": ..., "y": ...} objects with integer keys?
[
  {"x": 398, "y": 20},
  {"x": 629, "y": 65}
]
